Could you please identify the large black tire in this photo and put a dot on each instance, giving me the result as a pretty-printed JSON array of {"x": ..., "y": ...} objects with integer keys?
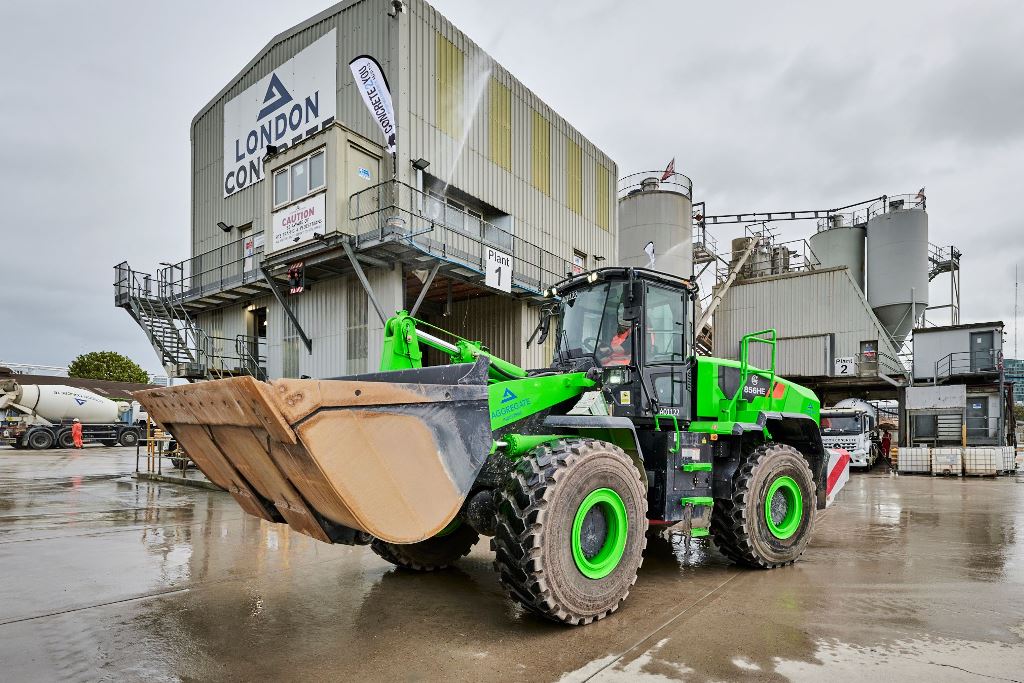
[
  {"x": 40, "y": 439},
  {"x": 536, "y": 515},
  {"x": 129, "y": 437},
  {"x": 65, "y": 440},
  {"x": 429, "y": 555},
  {"x": 740, "y": 526}
]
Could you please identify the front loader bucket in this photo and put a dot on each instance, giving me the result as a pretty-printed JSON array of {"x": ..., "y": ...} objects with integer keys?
[{"x": 391, "y": 453}]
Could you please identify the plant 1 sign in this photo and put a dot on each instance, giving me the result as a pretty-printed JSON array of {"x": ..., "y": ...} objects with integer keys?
[
  {"x": 295, "y": 100},
  {"x": 498, "y": 272},
  {"x": 298, "y": 222}
]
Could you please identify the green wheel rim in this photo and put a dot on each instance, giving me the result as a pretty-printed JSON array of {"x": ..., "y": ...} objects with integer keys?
[
  {"x": 450, "y": 528},
  {"x": 607, "y": 558},
  {"x": 790, "y": 491}
]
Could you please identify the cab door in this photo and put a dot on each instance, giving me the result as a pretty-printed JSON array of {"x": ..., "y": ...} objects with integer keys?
[{"x": 664, "y": 351}]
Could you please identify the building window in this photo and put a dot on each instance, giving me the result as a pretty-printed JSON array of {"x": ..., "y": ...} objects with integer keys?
[
  {"x": 501, "y": 125},
  {"x": 299, "y": 179},
  {"x": 541, "y": 154},
  {"x": 579, "y": 262},
  {"x": 356, "y": 328},
  {"x": 602, "y": 196},
  {"x": 573, "y": 176},
  {"x": 449, "y": 78}
]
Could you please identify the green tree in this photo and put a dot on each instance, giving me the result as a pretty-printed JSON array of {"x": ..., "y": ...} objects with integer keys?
[
  {"x": 1018, "y": 412},
  {"x": 108, "y": 365}
]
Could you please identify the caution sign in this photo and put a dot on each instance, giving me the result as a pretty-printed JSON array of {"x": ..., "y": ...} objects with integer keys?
[{"x": 298, "y": 222}]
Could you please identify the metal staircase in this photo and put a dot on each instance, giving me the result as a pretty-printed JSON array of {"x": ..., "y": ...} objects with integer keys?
[{"x": 185, "y": 350}]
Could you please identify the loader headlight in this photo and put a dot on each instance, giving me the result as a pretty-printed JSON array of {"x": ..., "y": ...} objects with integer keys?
[
  {"x": 616, "y": 376},
  {"x": 592, "y": 278}
]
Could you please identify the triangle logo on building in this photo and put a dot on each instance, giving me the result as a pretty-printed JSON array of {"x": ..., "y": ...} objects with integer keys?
[{"x": 277, "y": 96}]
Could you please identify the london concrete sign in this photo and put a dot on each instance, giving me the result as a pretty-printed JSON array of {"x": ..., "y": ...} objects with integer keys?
[{"x": 295, "y": 100}]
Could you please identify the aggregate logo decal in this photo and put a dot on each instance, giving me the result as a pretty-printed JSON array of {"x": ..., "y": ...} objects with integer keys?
[
  {"x": 80, "y": 401},
  {"x": 510, "y": 405},
  {"x": 294, "y": 101}
]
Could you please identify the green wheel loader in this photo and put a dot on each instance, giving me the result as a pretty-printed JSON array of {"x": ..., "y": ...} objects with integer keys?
[{"x": 567, "y": 468}]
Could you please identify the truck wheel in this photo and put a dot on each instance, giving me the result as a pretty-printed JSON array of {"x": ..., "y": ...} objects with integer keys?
[
  {"x": 129, "y": 437},
  {"x": 65, "y": 440},
  {"x": 571, "y": 530},
  {"x": 767, "y": 521},
  {"x": 40, "y": 439},
  {"x": 453, "y": 542}
]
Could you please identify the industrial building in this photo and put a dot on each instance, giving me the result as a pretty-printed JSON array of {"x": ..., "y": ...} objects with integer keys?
[
  {"x": 850, "y": 309},
  {"x": 842, "y": 302},
  {"x": 958, "y": 396},
  {"x": 307, "y": 233}
]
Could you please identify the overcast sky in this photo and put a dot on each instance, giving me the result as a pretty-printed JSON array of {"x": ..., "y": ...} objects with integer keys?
[{"x": 767, "y": 106}]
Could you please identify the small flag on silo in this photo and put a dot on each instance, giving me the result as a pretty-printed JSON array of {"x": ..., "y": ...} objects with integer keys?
[
  {"x": 377, "y": 95},
  {"x": 669, "y": 170}
]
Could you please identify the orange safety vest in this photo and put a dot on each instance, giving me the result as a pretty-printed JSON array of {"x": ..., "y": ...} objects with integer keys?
[{"x": 620, "y": 351}]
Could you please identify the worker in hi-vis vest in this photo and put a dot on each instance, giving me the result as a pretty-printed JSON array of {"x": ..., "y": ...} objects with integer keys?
[{"x": 76, "y": 432}]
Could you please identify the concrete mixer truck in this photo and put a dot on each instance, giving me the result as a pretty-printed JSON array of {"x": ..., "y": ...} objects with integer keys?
[
  {"x": 40, "y": 416},
  {"x": 852, "y": 424}
]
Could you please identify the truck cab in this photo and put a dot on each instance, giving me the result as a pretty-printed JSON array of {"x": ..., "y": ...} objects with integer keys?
[{"x": 854, "y": 428}]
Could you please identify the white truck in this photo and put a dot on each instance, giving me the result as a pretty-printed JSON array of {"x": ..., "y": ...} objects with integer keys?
[
  {"x": 852, "y": 424},
  {"x": 40, "y": 416}
]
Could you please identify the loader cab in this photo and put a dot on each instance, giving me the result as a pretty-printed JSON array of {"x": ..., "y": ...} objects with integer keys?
[{"x": 632, "y": 326}]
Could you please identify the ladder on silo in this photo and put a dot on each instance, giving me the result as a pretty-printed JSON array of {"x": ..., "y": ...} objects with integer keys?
[{"x": 704, "y": 332}]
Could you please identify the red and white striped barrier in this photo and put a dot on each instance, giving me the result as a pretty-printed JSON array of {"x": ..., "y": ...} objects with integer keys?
[{"x": 838, "y": 472}]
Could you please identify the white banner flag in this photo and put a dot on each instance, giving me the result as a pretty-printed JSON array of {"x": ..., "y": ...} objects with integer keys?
[{"x": 377, "y": 96}]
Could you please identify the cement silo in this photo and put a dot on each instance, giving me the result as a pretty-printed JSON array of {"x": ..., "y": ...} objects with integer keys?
[
  {"x": 897, "y": 263},
  {"x": 656, "y": 221},
  {"x": 839, "y": 242}
]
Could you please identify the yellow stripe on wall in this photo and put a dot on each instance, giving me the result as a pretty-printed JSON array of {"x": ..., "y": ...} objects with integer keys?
[
  {"x": 573, "y": 176},
  {"x": 541, "y": 154},
  {"x": 450, "y": 77},
  {"x": 501, "y": 124}
]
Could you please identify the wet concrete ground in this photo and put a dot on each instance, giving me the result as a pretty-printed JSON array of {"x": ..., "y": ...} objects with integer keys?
[{"x": 106, "y": 578}]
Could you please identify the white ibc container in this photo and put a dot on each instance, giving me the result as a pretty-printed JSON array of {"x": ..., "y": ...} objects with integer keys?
[
  {"x": 982, "y": 460},
  {"x": 914, "y": 459},
  {"x": 947, "y": 461},
  {"x": 1010, "y": 458}
]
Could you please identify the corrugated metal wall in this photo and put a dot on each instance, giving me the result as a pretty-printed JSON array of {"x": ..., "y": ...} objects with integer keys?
[
  {"x": 504, "y": 325},
  {"x": 544, "y": 219},
  {"x": 799, "y": 305}
]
